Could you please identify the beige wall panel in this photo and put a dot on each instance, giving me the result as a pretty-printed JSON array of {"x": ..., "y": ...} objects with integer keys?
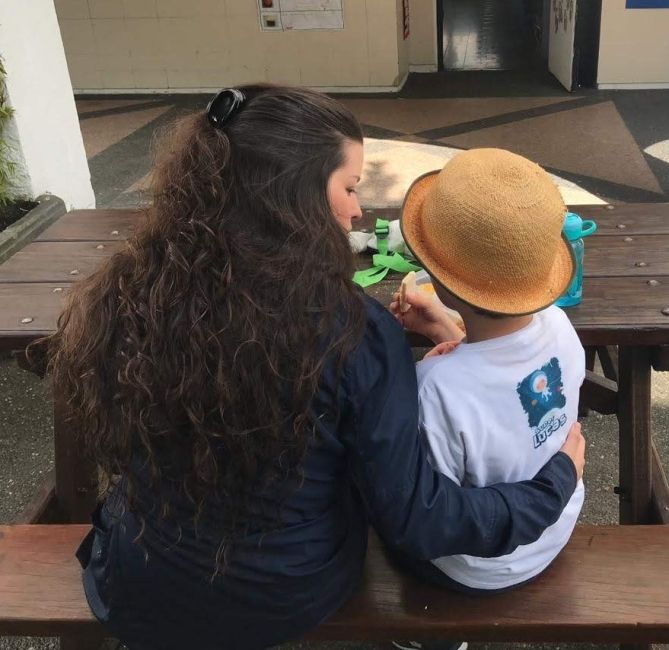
[
  {"x": 72, "y": 9},
  {"x": 634, "y": 45},
  {"x": 79, "y": 36},
  {"x": 237, "y": 8},
  {"x": 144, "y": 39},
  {"x": 116, "y": 79},
  {"x": 180, "y": 77},
  {"x": 105, "y": 8},
  {"x": 84, "y": 71},
  {"x": 281, "y": 56},
  {"x": 213, "y": 60},
  {"x": 175, "y": 8},
  {"x": 150, "y": 78},
  {"x": 213, "y": 77},
  {"x": 119, "y": 64},
  {"x": 177, "y": 43},
  {"x": 402, "y": 43},
  {"x": 316, "y": 58},
  {"x": 111, "y": 37},
  {"x": 382, "y": 43},
  {"x": 355, "y": 20},
  {"x": 140, "y": 8},
  {"x": 423, "y": 39},
  {"x": 354, "y": 66},
  {"x": 211, "y": 7},
  {"x": 206, "y": 44}
]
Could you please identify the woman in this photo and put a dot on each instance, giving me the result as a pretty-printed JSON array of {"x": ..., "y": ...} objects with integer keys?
[{"x": 250, "y": 408}]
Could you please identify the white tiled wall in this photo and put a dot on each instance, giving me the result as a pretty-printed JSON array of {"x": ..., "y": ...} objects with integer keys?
[{"x": 134, "y": 45}]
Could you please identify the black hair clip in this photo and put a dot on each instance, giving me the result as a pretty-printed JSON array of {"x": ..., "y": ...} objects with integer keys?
[{"x": 223, "y": 106}]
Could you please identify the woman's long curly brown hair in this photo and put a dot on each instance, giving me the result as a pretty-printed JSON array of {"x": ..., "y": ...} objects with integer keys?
[{"x": 200, "y": 345}]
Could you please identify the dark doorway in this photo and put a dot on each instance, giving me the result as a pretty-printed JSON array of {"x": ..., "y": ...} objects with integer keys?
[{"x": 492, "y": 34}]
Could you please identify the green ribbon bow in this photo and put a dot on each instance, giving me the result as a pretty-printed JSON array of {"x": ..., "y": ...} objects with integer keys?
[{"x": 382, "y": 261}]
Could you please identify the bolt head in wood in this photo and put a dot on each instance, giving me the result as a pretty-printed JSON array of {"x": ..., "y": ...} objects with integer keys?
[
  {"x": 640, "y": 264},
  {"x": 665, "y": 311},
  {"x": 74, "y": 272},
  {"x": 628, "y": 239},
  {"x": 652, "y": 283},
  {"x": 58, "y": 289},
  {"x": 26, "y": 320},
  {"x": 114, "y": 232},
  {"x": 621, "y": 226}
]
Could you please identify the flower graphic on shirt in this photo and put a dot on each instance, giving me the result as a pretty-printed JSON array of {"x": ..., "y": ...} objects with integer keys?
[{"x": 541, "y": 392}]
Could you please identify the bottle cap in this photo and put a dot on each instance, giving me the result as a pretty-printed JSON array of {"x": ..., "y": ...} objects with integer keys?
[{"x": 573, "y": 226}]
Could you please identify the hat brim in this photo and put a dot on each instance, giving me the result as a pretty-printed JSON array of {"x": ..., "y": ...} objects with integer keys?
[{"x": 499, "y": 298}]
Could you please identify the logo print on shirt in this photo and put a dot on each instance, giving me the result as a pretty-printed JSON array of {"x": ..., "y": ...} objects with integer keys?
[{"x": 540, "y": 392}]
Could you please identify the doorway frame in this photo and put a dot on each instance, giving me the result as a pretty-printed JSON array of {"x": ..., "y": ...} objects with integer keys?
[
  {"x": 586, "y": 44},
  {"x": 440, "y": 35},
  {"x": 586, "y": 41}
]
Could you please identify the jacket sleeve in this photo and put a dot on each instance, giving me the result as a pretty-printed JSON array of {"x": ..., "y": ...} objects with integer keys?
[{"x": 414, "y": 508}]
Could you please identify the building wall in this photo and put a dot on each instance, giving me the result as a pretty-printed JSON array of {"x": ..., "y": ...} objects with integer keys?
[
  {"x": 423, "y": 55},
  {"x": 634, "y": 45},
  {"x": 45, "y": 134},
  {"x": 182, "y": 45}
]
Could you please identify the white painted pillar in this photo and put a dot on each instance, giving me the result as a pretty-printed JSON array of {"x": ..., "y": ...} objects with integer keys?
[{"x": 48, "y": 143}]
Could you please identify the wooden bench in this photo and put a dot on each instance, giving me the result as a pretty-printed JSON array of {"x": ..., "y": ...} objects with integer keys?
[{"x": 610, "y": 585}]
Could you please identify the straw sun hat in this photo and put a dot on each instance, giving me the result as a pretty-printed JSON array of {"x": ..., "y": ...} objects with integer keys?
[{"x": 488, "y": 227}]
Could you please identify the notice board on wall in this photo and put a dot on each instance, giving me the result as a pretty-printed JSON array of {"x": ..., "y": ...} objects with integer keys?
[
  {"x": 288, "y": 15},
  {"x": 647, "y": 4}
]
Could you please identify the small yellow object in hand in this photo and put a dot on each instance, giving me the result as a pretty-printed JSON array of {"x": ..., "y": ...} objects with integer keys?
[{"x": 408, "y": 284}]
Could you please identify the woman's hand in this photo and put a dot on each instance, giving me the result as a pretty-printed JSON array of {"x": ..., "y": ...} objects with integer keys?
[
  {"x": 442, "y": 348},
  {"x": 427, "y": 316},
  {"x": 574, "y": 447}
]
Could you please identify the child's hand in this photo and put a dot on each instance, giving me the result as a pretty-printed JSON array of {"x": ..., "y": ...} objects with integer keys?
[
  {"x": 427, "y": 316},
  {"x": 442, "y": 348}
]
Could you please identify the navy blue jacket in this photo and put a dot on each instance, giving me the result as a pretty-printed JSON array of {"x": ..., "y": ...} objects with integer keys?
[{"x": 367, "y": 464}]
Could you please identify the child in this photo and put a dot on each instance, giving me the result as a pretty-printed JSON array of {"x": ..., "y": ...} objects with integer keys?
[{"x": 487, "y": 228}]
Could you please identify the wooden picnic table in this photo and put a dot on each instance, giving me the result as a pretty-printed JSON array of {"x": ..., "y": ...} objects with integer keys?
[{"x": 625, "y": 304}]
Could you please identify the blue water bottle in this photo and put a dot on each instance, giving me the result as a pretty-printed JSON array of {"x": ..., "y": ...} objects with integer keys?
[{"x": 575, "y": 229}]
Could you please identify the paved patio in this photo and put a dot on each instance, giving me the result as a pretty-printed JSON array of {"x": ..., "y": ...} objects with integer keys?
[{"x": 614, "y": 144}]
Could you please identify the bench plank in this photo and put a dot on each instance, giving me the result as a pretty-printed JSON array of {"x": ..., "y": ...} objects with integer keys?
[
  {"x": 610, "y": 584},
  {"x": 93, "y": 225},
  {"x": 40, "y": 302},
  {"x": 56, "y": 261},
  {"x": 40, "y": 581},
  {"x": 637, "y": 218}
]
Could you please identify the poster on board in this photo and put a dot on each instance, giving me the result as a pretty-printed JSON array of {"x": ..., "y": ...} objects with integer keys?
[
  {"x": 288, "y": 15},
  {"x": 647, "y": 4}
]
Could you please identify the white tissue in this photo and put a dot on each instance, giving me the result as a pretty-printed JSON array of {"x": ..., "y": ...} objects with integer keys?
[{"x": 360, "y": 241}]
